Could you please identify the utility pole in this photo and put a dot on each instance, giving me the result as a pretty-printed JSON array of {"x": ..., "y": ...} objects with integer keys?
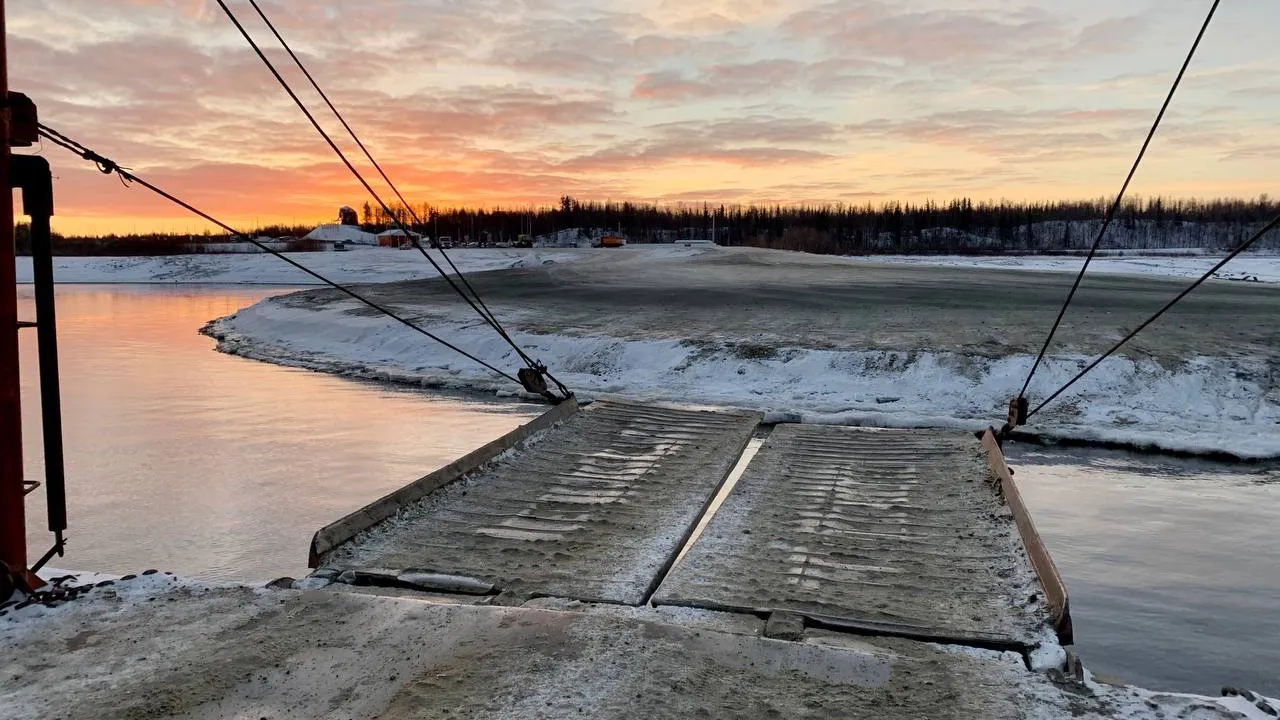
[{"x": 13, "y": 519}]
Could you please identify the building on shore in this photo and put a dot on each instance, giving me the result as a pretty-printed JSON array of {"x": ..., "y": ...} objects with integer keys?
[{"x": 397, "y": 238}]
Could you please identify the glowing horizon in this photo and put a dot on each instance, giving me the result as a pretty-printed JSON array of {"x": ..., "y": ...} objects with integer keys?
[{"x": 749, "y": 102}]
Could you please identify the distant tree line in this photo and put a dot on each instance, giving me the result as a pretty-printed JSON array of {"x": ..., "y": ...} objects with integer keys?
[
  {"x": 957, "y": 227},
  {"x": 960, "y": 226}
]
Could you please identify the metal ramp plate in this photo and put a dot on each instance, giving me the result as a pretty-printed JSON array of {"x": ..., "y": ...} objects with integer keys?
[
  {"x": 594, "y": 508},
  {"x": 894, "y": 531}
]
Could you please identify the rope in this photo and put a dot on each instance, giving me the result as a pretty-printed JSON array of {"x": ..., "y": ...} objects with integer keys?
[
  {"x": 483, "y": 313},
  {"x": 1115, "y": 206},
  {"x": 108, "y": 166},
  {"x": 1244, "y": 246}
]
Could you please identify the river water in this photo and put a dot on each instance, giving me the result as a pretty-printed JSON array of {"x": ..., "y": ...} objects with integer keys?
[
  {"x": 188, "y": 460},
  {"x": 184, "y": 459},
  {"x": 1172, "y": 566}
]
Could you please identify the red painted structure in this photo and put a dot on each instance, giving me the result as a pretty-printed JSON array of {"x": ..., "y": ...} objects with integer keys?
[{"x": 13, "y": 523}]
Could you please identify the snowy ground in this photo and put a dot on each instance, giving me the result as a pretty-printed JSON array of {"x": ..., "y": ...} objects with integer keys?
[
  {"x": 824, "y": 340},
  {"x": 1249, "y": 267},
  {"x": 360, "y": 265},
  {"x": 159, "y": 646}
]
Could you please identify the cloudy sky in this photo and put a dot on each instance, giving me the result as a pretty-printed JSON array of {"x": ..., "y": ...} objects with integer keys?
[{"x": 516, "y": 102}]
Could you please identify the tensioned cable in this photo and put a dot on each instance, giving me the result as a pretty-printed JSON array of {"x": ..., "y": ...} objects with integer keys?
[
  {"x": 435, "y": 242},
  {"x": 1115, "y": 206},
  {"x": 338, "y": 151},
  {"x": 108, "y": 166},
  {"x": 1244, "y": 246},
  {"x": 378, "y": 198}
]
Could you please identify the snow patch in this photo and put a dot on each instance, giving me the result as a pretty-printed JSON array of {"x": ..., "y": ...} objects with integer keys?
[
  {"x": 1048, "y": 657},
  {"x": 18, "y": 620},
  {"x": 1132, "y": 703}
]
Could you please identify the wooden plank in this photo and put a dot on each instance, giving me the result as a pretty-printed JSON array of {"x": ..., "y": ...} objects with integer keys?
[
  {"x": 1055, "y": 591},
  {"x": 334, "y": 534}
]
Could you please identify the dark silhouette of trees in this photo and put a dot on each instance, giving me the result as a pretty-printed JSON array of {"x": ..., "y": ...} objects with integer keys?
[{"x": 960, "y": 226}]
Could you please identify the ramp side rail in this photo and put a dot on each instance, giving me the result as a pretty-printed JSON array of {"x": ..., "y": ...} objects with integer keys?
[{"x": 1055, "y": 591}]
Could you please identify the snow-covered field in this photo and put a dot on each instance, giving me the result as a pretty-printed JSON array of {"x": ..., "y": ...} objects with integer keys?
[
  {"x": 361, "y": 265},
  {"x": 1249, "y": 267}
]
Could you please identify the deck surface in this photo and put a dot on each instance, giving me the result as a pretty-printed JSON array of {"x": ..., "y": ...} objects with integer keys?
[
  {"x": 594, "y": 508},
  {"x": 895, "y": 530},
  {"x": 202, "y": 654}
]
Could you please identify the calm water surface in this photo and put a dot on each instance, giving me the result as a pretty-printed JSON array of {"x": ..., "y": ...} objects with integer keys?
[
  {"x": 184, "y": 459},
  {"x": 188, "y": 460},
  {"x": 1172, "y": 566}
]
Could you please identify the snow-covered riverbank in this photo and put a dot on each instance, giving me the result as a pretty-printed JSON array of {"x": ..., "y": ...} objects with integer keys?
[
  {"x": 1208, "y": 404},
  {"x": 364, "y": 265},
  {"x": 378, "y": 264},
  {"x": 385, "y": 265},
  {"x": 676, "y": 344}
]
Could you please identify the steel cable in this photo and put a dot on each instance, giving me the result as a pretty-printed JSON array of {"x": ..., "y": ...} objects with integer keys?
[
  {"x": 108, "y": 166},
  {"x": 1115, "y": 206},
  {"x": 1243, "y": 246},
  {"x": 435, "y": 242},
  {"x": 284, "y": 84}
]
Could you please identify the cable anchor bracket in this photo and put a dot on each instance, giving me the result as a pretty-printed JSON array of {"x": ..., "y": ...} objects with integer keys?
[
  {"x": 534, "y": 380},
  {"x": 1018, "y": 408}
]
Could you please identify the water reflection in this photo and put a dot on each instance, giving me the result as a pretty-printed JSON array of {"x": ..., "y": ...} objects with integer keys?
[
  {"x": 181, "y": 458},
  {"x": 1173, "y": 566}
]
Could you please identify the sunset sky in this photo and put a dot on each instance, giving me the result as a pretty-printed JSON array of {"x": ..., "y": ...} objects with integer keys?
[{"x": 510, "y": 102}]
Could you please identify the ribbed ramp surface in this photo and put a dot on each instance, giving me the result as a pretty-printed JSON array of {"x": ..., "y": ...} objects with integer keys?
[
  {"x": 595, "y": 508},
  {"x": 881, "y": 530}
]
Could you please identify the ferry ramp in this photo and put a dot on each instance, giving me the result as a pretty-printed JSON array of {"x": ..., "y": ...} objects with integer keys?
[
  {"x": 908, "y": 533},
  {"x": 848, "y": 573},
  {"x": 593, "y": 508}
]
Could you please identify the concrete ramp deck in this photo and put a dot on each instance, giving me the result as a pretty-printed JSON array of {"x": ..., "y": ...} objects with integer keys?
[
  {"x": 595, "y": 507},
  {"x": 143, "y": 650},
  {"x": 892, "y": 531}
]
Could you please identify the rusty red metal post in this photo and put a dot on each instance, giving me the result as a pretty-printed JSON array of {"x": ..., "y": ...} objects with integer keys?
[{"x": 13, "y": 523}]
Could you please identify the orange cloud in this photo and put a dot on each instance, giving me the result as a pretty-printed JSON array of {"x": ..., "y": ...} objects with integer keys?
[{"x": 488, "y": 102}]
